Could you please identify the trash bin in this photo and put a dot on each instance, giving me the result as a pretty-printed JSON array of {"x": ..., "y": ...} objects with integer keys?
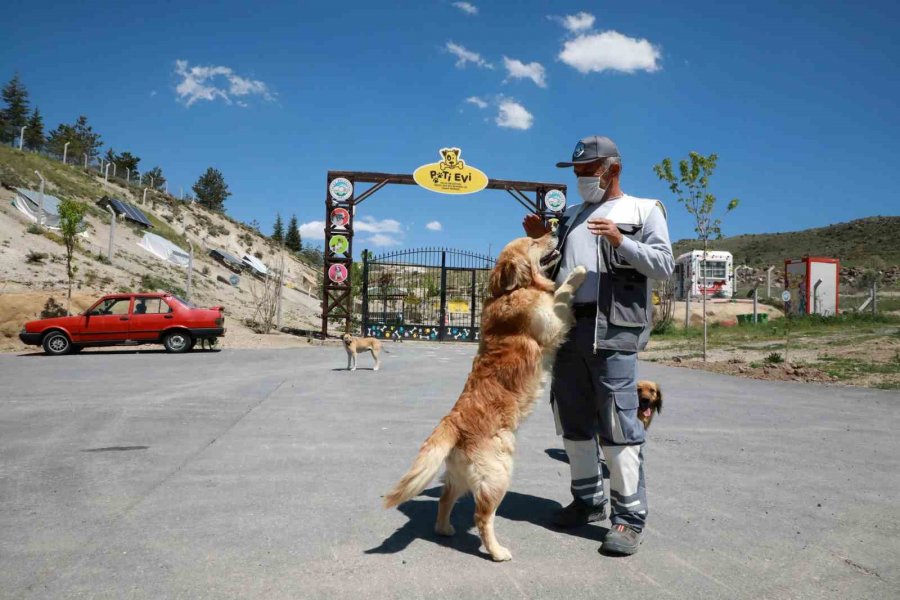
[{"x": 748, "y": 319}]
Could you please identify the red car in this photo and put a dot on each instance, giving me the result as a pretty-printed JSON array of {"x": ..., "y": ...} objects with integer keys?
[{"x": 128, "y": 319}]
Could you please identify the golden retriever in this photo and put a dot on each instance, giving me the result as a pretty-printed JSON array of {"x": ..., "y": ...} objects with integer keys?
[
  {"x": 523, "y": 324},
  {"x": 650, "y": 398},
  {"x": 354, "y": 345}
]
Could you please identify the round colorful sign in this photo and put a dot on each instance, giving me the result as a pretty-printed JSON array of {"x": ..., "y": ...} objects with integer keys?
[
  {"x": 785, "y": 296},
  {"x": 337, "y": 273},
  {"x": 340, "y": 217},
  {"x": 555, "y": 200},
  {"x": 340, "y": 189},
  {"x": 338, "y": 244}
]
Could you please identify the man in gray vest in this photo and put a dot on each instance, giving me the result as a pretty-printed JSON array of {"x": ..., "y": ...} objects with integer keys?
[{"x": 623, "y": 242}]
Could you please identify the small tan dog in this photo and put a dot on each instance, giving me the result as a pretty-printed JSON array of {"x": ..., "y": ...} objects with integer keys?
[
  {"x": 353, "y": 346},
  {"x": 650, "y": 398},
  {"x": 522, "y": 326}
]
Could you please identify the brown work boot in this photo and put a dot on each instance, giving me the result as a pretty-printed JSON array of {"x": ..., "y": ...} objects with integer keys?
[
  {"x": 621, "y": 539},
  {"x": 578, "y": 513}
]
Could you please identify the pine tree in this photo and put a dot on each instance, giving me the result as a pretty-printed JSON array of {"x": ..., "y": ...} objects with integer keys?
[
  {"x": 278, "y": 229},
  {"x": 15, "y": 114},
  {"x": 211, "y": 190},
  {"x": 154, "y": 178},
  {"x": 292, "y": 235},
  {"x": 82, "y": 139},
  {"x": 34, "y": 135}
]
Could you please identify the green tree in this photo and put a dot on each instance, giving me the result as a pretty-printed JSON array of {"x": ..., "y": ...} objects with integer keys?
[
  {"x": 278, "y": 229},
  {"x": 15, "y": 113},
  {"x": 126, "y": 160},
  {"x": 81, "y": 137},
  {"x": 154, "y": 178},
  {"x": 71, "y": 214},
  {"x": 212, "y": 190},
  {"x": 292, "y": 236},
  {"x": 691, "y": 188},
  {"x": 34, "y": 135}
]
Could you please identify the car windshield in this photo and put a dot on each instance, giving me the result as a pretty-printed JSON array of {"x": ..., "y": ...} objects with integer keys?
[{"x": 187, "y": 303}]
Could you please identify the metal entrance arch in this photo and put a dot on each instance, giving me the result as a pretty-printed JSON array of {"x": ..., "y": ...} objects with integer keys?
[
  {"x": 340, "y": 208},
  {"x": 432, "y": 294}
]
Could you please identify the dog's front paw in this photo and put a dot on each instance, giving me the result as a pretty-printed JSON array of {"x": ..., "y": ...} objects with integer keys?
[
  {"x": 446, "y": 530},
  {"x": 577, "y": 276}
]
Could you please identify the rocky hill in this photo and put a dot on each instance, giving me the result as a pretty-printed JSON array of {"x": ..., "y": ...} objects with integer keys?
[{"x": 32, "y": 263}]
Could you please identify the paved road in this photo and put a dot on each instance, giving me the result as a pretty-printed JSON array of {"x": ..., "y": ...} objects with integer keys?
[{"x": 258, "y": 474}]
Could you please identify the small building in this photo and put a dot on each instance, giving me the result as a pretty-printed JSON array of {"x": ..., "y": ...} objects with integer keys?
[
  {"x": 719, "y": 280},
  {"x": 814, "y": 285}
]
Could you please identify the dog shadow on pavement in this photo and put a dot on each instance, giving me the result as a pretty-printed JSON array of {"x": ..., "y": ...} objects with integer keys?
[{"x": 516, "y": 506}]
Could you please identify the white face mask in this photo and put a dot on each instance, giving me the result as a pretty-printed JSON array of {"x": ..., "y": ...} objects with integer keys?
[{"x": 590, "y": 190}]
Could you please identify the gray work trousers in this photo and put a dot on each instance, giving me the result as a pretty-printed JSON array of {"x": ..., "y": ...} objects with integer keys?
[{"x": 595, "y": 402}]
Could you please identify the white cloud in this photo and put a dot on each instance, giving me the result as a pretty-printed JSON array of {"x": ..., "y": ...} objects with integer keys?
[
  {"x": 513, "y": 115},
  {"x": 576, "y": 23},
  {"x": 477, "y": 101},
  {"x": 152, "y": 93},
  {"x": 464, "y": 56},
  {"x": 208, "y": 83},
  {"x": 314, "y": 230},
  {"x": 434, "y": 226},
  {"x": 469, "y": 9},
  {"x": 372, "y": 225},
  {"x": 516, "y": 69},
  {"x": 610, "y": 50},
  {"x": 380, "y": 239}
]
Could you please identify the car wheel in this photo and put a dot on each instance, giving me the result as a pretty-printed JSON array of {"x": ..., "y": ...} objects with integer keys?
[
  {"x": 177, "y": 341},
  {"x": 56, "y": 343}
]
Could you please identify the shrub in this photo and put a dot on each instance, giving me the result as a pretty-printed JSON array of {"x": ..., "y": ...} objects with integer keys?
[
  {"x": 774, "y": 358},
  {"x": 35, "y": 258},
  {"x": 52, "y": 309},
  {"x": 34, "y": 229}
]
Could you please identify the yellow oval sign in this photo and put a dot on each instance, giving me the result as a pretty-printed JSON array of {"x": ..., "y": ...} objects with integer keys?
[{"x": 451, "y": 175}]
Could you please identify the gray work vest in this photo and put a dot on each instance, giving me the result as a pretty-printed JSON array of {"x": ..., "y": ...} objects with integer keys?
[{"x": 624, "y": 306}]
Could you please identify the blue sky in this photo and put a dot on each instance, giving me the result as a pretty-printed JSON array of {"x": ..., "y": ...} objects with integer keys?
[{"x": 798, "y": 99}]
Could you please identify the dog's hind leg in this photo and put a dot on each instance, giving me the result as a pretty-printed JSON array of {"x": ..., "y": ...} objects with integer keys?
[
  {"x": 375, "y": 356},
  {"x": 450, "y": 494},
  {"x": 494, "y": 482}
]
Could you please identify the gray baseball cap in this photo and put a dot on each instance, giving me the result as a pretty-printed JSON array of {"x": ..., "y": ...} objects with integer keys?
[{"x": 590, "y": 149}]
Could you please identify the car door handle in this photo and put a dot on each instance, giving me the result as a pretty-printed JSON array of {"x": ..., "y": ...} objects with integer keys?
[
  {"x": 168, "y": 317},
  {"x": 123, "y": 318}
]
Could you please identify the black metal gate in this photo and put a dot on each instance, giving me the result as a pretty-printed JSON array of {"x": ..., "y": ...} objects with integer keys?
[{"x": 426, "y": 294}]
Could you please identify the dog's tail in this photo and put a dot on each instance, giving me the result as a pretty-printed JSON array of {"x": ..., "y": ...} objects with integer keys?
[{"x": 425, "y": 467}]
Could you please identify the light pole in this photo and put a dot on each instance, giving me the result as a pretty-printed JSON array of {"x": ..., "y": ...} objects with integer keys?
[
  {"x": 112, "y": 231},
  {"x": 65, "y": 151},
  {"x": 41, "y": 201},
  {"x": 22, "y": 136}
]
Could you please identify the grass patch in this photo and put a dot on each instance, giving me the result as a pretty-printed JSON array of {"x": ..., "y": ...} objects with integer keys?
[
  {"x": 844, "y": 367},
  {"x": 152, "y": 283},
  {"x": 17, "y": 170}
]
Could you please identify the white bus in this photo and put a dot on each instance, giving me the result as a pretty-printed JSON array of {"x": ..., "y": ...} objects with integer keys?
[{"x": 719, "y": 274}]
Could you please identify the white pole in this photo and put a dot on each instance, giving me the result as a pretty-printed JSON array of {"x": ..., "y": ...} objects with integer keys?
[
  {"x": 182, "y": 191},
  {"x": 769, "y": 281},
  {"x": 41, "y": 201},
  {"x": 152, "y": 181},
  {"x": 114, "y": 169},
  {"x": 65, "y": 151},
  {"x": 167, "y": 188},
  {"x": 128, "y": 175},
  {"x": 85, "y": 161},
  {"x": 144, "y": 199},
  {"x": 106, "y": 172},
  {"x": 22, "y": 136},
  {"x": 112, "y": 230},
  {"x": 187, "y": 291},
  {"x": 139, "y": 177},
  {"x": 280, "y": 287}
]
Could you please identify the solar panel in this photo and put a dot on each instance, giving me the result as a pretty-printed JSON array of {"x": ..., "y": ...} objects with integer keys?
[{"x": 130, "y": 212}]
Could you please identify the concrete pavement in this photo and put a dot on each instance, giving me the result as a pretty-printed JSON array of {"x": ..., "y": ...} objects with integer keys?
[{"x": 258, "y": 474}]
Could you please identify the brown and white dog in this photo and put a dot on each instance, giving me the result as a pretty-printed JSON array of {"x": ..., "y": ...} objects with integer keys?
[
  {"x": 523, "y": 324},
  {"x": 650, "y": 401},
  {"x": 354, "y": 346}
]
